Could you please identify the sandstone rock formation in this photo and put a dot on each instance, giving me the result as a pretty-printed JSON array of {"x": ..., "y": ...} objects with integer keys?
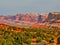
[
  {"x": 53, "y": 16},
  {"x": 53, "y": 19}
]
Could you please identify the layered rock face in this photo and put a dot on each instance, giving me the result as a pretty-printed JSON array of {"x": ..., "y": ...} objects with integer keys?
[
  {"x": 53, "y": 19},
  {"x": 53, "y": 16}
]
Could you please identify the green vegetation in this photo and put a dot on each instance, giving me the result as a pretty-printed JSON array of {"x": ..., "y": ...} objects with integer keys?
[{"x": 8, "y": 37}]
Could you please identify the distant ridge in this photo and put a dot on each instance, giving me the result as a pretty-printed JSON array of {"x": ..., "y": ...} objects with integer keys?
[{"x": 50, "y": 19}]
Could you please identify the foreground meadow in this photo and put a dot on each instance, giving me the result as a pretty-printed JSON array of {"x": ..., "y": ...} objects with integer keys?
[{"x": 29, "y": 36}]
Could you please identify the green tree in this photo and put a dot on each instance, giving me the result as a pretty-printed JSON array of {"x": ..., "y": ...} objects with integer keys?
[
  {"x": 28, "y": 41},
  {"x": 39, "y": 39}
]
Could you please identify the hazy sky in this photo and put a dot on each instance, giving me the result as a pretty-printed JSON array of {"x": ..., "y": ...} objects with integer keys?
[{"x": 29, "y": 6}]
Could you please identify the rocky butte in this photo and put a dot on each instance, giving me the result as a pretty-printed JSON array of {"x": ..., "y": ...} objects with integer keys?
[{"x": 53, "y": 19}]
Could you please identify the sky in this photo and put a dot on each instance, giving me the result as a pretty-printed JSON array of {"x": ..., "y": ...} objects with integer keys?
[{"x": 12, "y": 7}]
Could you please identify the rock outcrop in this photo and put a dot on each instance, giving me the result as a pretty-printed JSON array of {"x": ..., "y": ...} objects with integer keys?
[
  {"x": 53, "y": 19},
  {"x": 53, "y": 16}
]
